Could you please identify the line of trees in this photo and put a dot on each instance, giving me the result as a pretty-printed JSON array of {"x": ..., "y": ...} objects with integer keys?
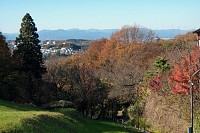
[
  {"x": 24, "y": 67},
  {"x": 131, "y": 72},
  {"x": 79, "y": 84}
]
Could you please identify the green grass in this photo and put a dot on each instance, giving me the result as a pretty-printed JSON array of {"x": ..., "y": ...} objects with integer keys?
[{"x": 19, "y": 118}]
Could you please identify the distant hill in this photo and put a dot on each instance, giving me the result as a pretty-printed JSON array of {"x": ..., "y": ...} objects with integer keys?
[
  {"x": 91, "y": 34},
  {"x": 61, "y": 34},
  {"x": 10, "y": 36},
  {"x": 170, "y": 33}
]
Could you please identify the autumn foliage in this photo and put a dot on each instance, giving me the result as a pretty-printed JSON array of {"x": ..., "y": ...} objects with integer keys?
[
  {"x": 116, "y": 73},
  {"x": 184, "y": 71},
  {"x": 180, "y": 76},
  {"x": 155, "y": 84}
]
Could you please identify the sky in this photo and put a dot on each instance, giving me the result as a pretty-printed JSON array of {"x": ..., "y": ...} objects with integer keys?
[{"x": 100, "y": 14}]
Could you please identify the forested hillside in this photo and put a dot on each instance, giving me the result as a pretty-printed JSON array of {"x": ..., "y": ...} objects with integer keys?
[{"x": 130, "y": 77}]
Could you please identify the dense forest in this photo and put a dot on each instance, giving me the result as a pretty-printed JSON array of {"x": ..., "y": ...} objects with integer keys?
[{"x": 147, "y": 78}]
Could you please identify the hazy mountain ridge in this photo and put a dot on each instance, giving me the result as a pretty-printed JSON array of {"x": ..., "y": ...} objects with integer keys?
[
  {"x": 170, "y": 33},
  {"x": 91, "y": 34}
]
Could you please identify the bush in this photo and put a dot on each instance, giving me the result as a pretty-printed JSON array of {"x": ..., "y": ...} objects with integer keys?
[
  {"x": 197, "y": 124},
  {"x": 58, "y": 104}
]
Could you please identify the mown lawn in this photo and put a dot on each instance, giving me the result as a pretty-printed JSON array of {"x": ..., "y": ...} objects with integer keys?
[{"x": 25, "y": 118}]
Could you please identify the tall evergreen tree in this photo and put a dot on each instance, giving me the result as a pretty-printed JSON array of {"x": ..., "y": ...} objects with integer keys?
[
  {"x": 28, "y": 48},
  {"x": 29, "y": 57}
]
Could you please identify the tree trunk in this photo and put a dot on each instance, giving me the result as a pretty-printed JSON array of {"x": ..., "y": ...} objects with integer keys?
[
  {"x": 30, "y": 86},
  {"x": 103, "y": 110}
]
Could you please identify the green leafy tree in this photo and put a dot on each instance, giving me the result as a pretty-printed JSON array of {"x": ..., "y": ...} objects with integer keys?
[
  {"x": 157, "y": 81},
  {"x": 29, "y": 55},
  {"x": 161, "y": 64}
]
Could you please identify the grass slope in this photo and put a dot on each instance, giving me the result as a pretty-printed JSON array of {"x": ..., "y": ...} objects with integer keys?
[{"x": 25, "y": 118}]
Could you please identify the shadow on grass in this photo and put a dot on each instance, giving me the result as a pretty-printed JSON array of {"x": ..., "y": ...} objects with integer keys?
[
  {"x": 46, "y": 124},
  {"x": 87, "y": 125},
  {"x": 110, "y": 127},
  {"x": 18, "y": 107},
  {"x": 72, "y": 113}
]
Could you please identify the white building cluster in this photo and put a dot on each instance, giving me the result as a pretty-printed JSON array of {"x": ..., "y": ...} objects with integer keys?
[{"x": 49, "y": 48}]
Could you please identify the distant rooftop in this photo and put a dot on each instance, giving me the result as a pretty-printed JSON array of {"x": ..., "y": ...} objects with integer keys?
[{"x": 197, "y": 31}]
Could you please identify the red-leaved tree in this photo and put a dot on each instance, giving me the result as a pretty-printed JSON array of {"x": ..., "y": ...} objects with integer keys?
[
  {"x": 183, "y": 73},
  {"x": 155, "y": 83}
]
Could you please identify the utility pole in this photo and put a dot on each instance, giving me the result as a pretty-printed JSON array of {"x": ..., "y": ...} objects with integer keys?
[
  {"x": 138, "y": 122},
  {"x": 191, "y": 108},
  {"x": 191, "y": 101}
]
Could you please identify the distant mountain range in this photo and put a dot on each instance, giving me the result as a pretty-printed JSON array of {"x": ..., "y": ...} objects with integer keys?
[{"x": 91, "y": 34}]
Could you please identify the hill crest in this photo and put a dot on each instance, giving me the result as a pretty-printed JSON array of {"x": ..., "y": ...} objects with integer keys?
[{"x": 91, "y": 34}]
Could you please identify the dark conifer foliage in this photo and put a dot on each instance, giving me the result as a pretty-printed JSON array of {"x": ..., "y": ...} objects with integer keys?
[
  {"x": 28, "y": 60},
  {"x": 29, "y": 48}
]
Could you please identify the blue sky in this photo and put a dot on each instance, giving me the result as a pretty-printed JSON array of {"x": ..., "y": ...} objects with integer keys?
[{"x": 100, "y": 14}]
